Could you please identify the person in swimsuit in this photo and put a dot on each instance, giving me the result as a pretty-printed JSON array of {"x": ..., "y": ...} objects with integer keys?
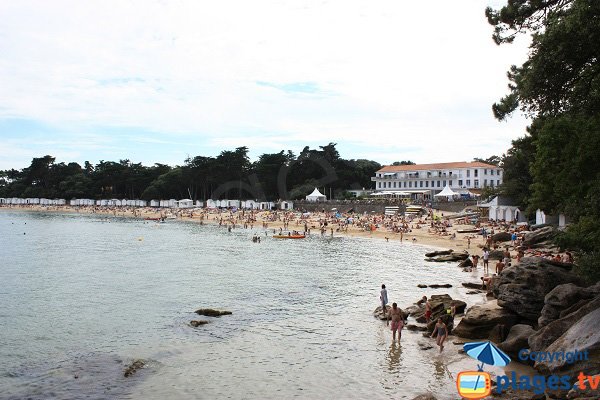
[
  {"x": 427, "y": 311},
  {"x": 397, "y": 321},
  {"x": 441, "y": 330}
]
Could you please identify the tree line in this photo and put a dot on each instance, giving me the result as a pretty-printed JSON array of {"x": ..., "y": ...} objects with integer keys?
[
  {"x": 555, "y": 166},
  {"x": 231, "y": 174}
]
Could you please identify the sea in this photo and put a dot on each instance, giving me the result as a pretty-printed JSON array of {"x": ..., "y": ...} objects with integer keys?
[{"x": 83, "y": 296}]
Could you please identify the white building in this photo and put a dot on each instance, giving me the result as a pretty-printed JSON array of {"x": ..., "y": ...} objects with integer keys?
[{"x": 430, "y": 179}]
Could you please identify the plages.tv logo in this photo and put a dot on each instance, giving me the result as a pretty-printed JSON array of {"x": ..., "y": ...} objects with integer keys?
[{"x": 478, "y": 384}]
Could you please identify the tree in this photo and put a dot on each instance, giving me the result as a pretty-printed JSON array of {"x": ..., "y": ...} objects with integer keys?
[{"x": 396, "y": 163}]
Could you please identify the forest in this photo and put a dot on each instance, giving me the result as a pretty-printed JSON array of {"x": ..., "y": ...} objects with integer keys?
[{"x": 231, "y": 174}]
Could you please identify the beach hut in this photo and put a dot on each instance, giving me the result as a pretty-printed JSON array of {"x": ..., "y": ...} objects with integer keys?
[
  {"x": 185, "y": 203},
  {"x": 210, "y": 203},
  {"x": 199, "y": 203},
  {"x": 2, "y": 200},
  {"x": 316, "y": 196},
  {"x": 250, "y": 204},
  {"x": 154, "y": 203},
  {"x": 286, "y": 205},
  {"x": 74, "y": 202},
  {"x": 233, "y": 203}
]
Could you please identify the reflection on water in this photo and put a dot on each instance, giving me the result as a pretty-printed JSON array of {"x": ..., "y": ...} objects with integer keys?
[{"x": 82, "y": 296}]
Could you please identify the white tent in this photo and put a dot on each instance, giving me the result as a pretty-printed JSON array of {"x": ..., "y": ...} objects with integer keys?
[
  {"x": 316, "y": 196},
  {"x": 447, "y": 192}
]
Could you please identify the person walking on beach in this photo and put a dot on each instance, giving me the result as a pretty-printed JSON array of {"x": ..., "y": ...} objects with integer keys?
[
  {"x": 441, "y": 330},
  {"x": 486, "y": 260},
  {"x": 383, "y": 297},
  {"x": 397, "y": 321},
  {"x": 427, "y": 307}
]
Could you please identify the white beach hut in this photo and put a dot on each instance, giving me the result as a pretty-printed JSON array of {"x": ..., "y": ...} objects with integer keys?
[
  {"x": 185, "y": 203},
  {"x": 2, "y": 200},
  {"x": 210, "y": 203},
  {"x": 250, "y": 204},
  {"x": 199, "y": 203},
  {"x": 154, "y": 203},
  {"x": 286, "y": 205},
  {"x": 316, "y": 196},
  {"x": 233, "y": 203}
]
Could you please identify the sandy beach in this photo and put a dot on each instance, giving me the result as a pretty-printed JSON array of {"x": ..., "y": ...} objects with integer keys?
[{"x": 419, "y": 228}]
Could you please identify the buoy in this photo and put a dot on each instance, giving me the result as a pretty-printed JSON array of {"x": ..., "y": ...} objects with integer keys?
[{"x": 140, "y": 239}]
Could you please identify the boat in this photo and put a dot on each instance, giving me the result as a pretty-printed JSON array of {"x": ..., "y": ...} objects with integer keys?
[
  {"x": 289, "y": 236},
  {"x": 474, "y": 230},
  {"x": 152, "y": 219}
]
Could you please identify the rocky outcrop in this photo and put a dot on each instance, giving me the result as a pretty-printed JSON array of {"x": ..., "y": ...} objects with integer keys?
[
  {"x": 197, "y": 323},
  {"x": 378, "y": 313},
  {"x": 209, "y": 312},
  {"x": 501, "y": 237},
  {"x": 540, "y": 235},
  {"x": 133, "y": 368},
  {"x": 555, "y": 329},
  {"x": 439, "y": 253},
  {"x": 522, "y": 288},
  {"x": 473, "y": 285},
  {"x": 516, "y": 340},
  {"x": 435, "y": 286},
  {"x": 496, "y": 254},
  {"x": 466, "y": 263},
  {"x": 479, "y": 320},
  {"x": 583, "y": 336},
  {"x": 454, "y": 256},
  {"x": 564, "y": 299},
  {"x": 425, "y": 396}
]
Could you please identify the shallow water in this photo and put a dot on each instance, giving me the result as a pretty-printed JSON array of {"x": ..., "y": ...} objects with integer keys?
[{"x": 82, "y": 296}]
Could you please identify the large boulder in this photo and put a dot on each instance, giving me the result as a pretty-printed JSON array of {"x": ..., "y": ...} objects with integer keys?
[
  {"x": 582, "y": 338},
  {"x": 440, "y": 304},
  {"x": 516, "y": 340},
  {"x": 466, "y": 263},
  {"x": 555, "y": 329},
  {"x": 425, "y": 396},
  {"x": 439, "y": 253},
  {"x": 454, "y": 256},
  {"x": 538, "y": 236},
  {"x": 522, "y": 288},
  {"x": 209, "y": 312},
  {"x": 501, "y": 237},
  {"x": 480, "y": 319},
  {"x": 496, "y": 254},
  {"x": 562, "y": 298}
]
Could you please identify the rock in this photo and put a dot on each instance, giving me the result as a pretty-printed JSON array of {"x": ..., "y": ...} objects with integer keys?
[
  {"x": 516, "y": 340},
  {"x": 496, "y": 254},
  {"x": 481, "y": 319},
  {"x": 425, "y": 346},
  {"x": 523, "y": 287},
  {"x": 583, "y": 336},
  {"x": 454, "y": 256},
  {"x": 411, "y": 310},
  {"x": 501, "y": 237},
  {"x": 538, "y": 236},
  {"x": 209, "y": 312},
  {"x": 196, "y": 324},
  {"x": 436, "y": 286},
  {"x": 475, "y": 292},
  {"x": 466, "y": 263},
  {"x": 510, "y": 394},
  {"x": 378, "y": 313},
  {"x": 420, "y": 285},
  {"x": 438, "y": 253},
  {"x": 561, "y": 298},
  {"x": 472, "y": 285},
  {"x": 412, "y": 327},
  {"x": 425, "y": 396},
  {"x": 133, "y": 368},
  {"x": 587, "y": 392},
  {"x": 555, "y": 329},
  {"x": 498, "y": 333}
]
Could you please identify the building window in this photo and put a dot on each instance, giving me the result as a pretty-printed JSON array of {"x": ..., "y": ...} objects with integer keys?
[
  {"x": 485, "y": 183},
  {"x": 485, "y": 171},
  {"x": 491, "y": 182},
  {"x": 497, "y": 172},
  {"x": 449, "y": 183},
  {"x": 498, "y": 182},
  {"x": 439, "y": 183},
  {"x": 468, "y": 183},
  {"x": 421, "y": 184},
  {"x": 379, "y": 185},
  {"x": 460, "y": 183},
  {"x": 432, "y": 183},
  {"x": 404, "y": 183},
  {"x": 409, "y": 184},
  {"x": 426, "y": 183},
  {"x": 475, "y": 173},
  {"x": 476, "y": 183},
  {"x": 444, "y": 183},
  {"x": 394, "y": 184},
  {"x": 468, "y": 173}
]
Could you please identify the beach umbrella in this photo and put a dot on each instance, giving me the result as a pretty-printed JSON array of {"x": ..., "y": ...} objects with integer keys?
[{"x": 487, "y": 353}]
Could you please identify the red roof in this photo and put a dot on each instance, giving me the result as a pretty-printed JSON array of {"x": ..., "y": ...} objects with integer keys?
[{"x": 450, "y": 165}]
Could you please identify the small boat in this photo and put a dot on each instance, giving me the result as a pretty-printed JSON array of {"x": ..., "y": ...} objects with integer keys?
[
  {"x": 474, "y": 230},
  {"x": 152, "y": 219},
  {"x": 289, "y": 236}
]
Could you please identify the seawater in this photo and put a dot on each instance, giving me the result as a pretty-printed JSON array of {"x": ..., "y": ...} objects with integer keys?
[{"x": 81, "y": 296}]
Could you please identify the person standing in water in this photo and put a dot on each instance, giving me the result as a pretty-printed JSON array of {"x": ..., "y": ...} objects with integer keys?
[
  {"x": 383, "y": 298},
  {"x": 441, "y": 330},
  {"x": 397, "y": 321}
]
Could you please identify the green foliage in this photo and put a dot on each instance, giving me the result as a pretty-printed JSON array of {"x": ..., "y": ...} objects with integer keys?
[
  {"x": 396, "y": 163},
  {"x": 517, "y": 177},
  {"x": 588, "y": 266},
  {"x": 231, "y": 174}
]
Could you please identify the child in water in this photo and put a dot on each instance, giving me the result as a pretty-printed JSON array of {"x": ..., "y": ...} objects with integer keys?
[{"x": 441, "y": 330}]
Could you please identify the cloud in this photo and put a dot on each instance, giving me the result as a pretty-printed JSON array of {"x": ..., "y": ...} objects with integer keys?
[{"x": 385, "y": 76}]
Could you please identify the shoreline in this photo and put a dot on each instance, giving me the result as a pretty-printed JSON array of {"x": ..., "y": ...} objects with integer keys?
[{"x": 418, "y": 231}]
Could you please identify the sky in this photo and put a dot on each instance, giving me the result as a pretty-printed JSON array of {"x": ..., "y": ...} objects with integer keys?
[{"x": 158, "y": 81}]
